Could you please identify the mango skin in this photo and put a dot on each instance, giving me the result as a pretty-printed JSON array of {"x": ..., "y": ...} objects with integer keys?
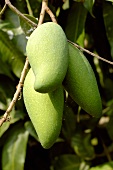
[
  {"x": 80, "y": 83},
  {"x": 47, "y": 51},
  {"x": 44, "y": 110}
]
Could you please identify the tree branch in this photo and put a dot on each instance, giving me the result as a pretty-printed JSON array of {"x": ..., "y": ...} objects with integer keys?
[
  {"x": 23, "y": 74},
  {"x": 16, "y": 95},
  {"x": 44, "y": 9},
  {"x": 19, "y": 13},
  {"x": 94, "y": 55}
]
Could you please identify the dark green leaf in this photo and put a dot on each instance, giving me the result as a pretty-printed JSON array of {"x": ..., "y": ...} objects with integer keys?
[
  {"x": 89, "y": 5},
  {"x": 75, "y": 21},
  {"x": 14, "y": 150},
  {"x": 10, "y": 54},
  {"x": 108, "y": 20},
  {"x": 69, "y": 162},
  {"x": 12, "y": 18},
  {"x": 7, "y": 86},
  {"x": 81, "y": 143},
  {"x": 5, "y": 68}
]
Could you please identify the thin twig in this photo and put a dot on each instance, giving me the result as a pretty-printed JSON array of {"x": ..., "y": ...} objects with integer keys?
[
  {"x": 16, "y": 95},
  {"x": 3, "y": 9},
  {"x": 42, "y": 13},
  {"x": 23, "y": 74},
  {"x": 44, "y": 9},
  {"x": 51, "y": 14},
  {"x": 19, "y": 13},
  {"x": 94, "y": 55}
]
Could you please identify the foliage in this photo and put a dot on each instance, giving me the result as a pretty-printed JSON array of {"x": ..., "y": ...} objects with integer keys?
[{"x": 85, "y": 143}]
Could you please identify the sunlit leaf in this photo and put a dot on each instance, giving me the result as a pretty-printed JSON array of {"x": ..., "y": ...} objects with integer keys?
[
  {"x": 14, "y": 150},
  {"x": 89, "y": 5},
  {"x": 4, "y": 127},
  {"x": 106, "y": 166},
  {"x": 110, "y": 0},
  {"x": 80, "y": 39}
]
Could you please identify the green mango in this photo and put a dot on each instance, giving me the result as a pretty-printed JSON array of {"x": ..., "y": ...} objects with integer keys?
[
  {"x": 45, "y": 110},
  {"x": 80, "y": 83},
  {"x": 47, "y": 52}
]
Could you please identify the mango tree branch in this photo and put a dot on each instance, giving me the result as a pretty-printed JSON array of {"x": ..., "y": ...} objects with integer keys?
[
  {"x": 51, "y": 14},
  {"x": 92, "y": 54},
  {"x": 42, "y": 13},
  {"x": 46, "y": 9},
  {"x": 23, "y": 74},
  {"x": 16, "y": 95},
  {"x": 19, "y": 13}
]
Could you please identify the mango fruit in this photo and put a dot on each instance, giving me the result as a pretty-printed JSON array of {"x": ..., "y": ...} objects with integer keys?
[
  {"x": 80, "y": 83},
  {"x": 45, "y": 110},
  {"x": 47, "y": 52}
]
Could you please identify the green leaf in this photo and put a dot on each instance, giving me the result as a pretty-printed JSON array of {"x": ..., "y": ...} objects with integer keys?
[
  {"x": 29, "y": 127},
  {"x": 66, "y": 5},
  {"x": 81, "y": 144},
  {"x": 110, "y": 0},
  {"x": 75, "y": 21},
  {"x": 5, "y": 69},
  {"x": 26, "y": 27},
  {"x": 12, "y": 18},
  {"x": 15, "y": 116},
  {"x": 14, "y": 149},
  {"x": 89, "y": 5},
  {"x": 3, "y": 128},
  {"x": 80, "y": 39},
  {"x": 10, "y": 54},
  {"x": 20, "y": 41},
  {"x": 106, "y": 166},
  {"x": 69, "y": 162},
  {"x": 6, "y": 89},
  {"x": 108, "y": 15}
]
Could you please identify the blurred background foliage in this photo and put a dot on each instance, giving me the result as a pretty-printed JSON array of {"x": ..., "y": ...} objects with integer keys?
[{"x": 85, "y": 143}]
